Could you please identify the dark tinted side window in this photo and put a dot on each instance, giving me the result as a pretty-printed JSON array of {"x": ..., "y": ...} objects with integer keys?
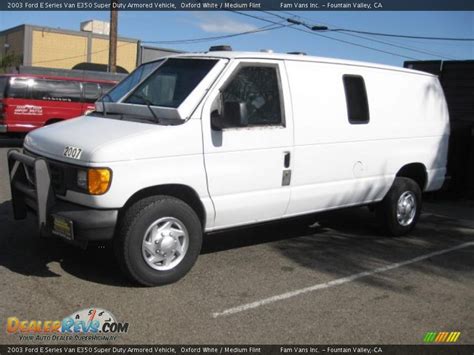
[
  {"x": 56, "y": 90},
  {"x": 259, "y": 88},
  {"x": 105, "y": 88},
  {"x": 356, "y": 99},
  {"x": 18, "y": 88},
  {"x": 91, "y": 92}
]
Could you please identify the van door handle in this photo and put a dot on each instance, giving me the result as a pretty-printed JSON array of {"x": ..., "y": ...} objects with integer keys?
[{"x": 286, "y": 162}]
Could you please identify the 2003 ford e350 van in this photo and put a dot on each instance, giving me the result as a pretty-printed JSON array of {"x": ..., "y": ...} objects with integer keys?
[{"x": 203, "y": 142}]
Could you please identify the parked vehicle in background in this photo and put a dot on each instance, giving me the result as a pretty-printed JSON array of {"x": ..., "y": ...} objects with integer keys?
[
  {"x": 457, "y": 80},
  {"x": 196, "y": 143},
  {"x": 29, "y": 101}
]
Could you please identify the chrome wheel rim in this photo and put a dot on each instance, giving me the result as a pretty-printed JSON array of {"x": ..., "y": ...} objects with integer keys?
[
  {"x": 406, "y": 208},
  {"x": 165, "y": 243}
]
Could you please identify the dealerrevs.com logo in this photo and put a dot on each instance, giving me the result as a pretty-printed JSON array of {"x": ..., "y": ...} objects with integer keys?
[{"x": 87, "y": 324}]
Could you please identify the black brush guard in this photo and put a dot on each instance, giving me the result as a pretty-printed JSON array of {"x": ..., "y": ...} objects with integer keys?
[{"x": 30, "y": 182}]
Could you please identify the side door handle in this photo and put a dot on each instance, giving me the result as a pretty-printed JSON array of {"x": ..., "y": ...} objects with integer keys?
[
  {"x": 286, "y": 178},
  {"x": 287, "y": 158}
]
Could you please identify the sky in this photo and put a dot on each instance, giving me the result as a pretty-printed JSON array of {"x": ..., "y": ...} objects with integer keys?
[{"x": 166, "y": 26}]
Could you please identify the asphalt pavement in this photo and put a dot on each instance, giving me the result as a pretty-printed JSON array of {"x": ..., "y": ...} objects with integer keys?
[{"x": 326, "y": 279}]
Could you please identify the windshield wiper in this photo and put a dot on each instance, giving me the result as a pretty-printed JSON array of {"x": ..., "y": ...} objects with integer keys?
[
  {"x": 148, "y": 104},
  {"x": 104, "y": 110}
]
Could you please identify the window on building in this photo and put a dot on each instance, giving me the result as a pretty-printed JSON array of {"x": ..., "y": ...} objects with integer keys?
[
  {"x": 259, "y": 88},
  {"x": 356, "y": 99}
]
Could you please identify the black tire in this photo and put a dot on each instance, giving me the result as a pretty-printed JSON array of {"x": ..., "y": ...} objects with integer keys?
[
  {"x": 131, "y": 231},
  {"x": 387, "y": 209}
]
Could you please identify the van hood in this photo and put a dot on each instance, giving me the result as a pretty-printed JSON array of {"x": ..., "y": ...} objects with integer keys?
[{"x": 102, "y": 140}]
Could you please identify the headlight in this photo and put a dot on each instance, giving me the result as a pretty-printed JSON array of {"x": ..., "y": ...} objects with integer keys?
[{"x": 96, "y": 181}]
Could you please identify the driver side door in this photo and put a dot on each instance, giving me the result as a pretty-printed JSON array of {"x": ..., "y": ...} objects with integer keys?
[{"x": 249, "y": 166}]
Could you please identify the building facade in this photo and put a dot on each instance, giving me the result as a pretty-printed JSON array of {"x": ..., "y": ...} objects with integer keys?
[
  {"x": 88, "y": 49},
  {"x": 40, "y": 46}
]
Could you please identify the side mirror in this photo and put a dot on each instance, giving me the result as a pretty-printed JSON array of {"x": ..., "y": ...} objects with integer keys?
[{"x": 234, "y": 115}]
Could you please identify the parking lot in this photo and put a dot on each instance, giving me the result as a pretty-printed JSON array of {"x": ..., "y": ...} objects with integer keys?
[{"x": 332, "y": 278}]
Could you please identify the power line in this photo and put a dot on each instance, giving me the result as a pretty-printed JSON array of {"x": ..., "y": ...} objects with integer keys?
[
  {"x": 404, "y": 36},
  {"x": 183, "y": 41},
  {"x": 404, "y": 46},
  {"x": 359, "y": 45},
  {"x": 410, "y": 48},
  {"x": 212, "y": 38},
  {"x": 384, "y": 34},
  {"x": 328, "y": 37}
]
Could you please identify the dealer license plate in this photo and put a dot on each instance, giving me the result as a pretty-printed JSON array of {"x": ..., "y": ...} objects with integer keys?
[{"x": 63, "y": 227}]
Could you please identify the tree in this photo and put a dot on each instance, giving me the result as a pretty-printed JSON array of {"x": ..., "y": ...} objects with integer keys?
[{"x": 10, "y": 60}]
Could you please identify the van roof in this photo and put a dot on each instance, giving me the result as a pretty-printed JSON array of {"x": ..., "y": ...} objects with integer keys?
[{"x": 297, "y": 57}]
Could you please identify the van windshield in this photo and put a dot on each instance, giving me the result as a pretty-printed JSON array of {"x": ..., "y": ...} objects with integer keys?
[
  {"x": 127, "y": 84},
  {"x": 171, "y": 83}
]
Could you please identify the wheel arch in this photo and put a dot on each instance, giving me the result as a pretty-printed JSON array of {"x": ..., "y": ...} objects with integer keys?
[
  {"x": 416, "y": 172},
  {"x": 182, "y": 192}
]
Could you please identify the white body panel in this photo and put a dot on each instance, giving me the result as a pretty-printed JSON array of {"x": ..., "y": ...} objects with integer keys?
[
  {"x": 237, "y": 173},
  {"x": 339, "y": 164}
]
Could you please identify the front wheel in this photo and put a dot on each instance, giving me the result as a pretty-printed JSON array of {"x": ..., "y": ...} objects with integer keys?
[
  {"x": 158, "y": 240},
  {"x": 400, "y": 209}
]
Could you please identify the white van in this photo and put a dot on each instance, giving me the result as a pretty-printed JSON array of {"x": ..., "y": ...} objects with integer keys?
[{"x": 202, "y": 142}]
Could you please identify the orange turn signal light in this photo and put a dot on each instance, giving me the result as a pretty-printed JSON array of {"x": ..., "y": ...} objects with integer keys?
[{"x": 98, "y": 180}]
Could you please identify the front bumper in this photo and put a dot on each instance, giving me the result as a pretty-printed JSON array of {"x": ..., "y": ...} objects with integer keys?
[
  {"x": 3, "y": 128},
  {"x": 89, "y": 224},
  {"x": 34, "y": 193}
]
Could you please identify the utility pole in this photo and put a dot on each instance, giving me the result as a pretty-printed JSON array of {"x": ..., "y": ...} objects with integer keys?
[{"x": 113, "y": 36}]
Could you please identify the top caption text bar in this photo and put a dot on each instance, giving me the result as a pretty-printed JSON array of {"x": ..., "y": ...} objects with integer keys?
[{"x": 241, "y": 5}]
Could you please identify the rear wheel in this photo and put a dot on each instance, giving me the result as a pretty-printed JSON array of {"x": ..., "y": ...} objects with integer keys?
[
  {"x": 400, "y": 209},
  {"x": 158, "y": 240}
]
